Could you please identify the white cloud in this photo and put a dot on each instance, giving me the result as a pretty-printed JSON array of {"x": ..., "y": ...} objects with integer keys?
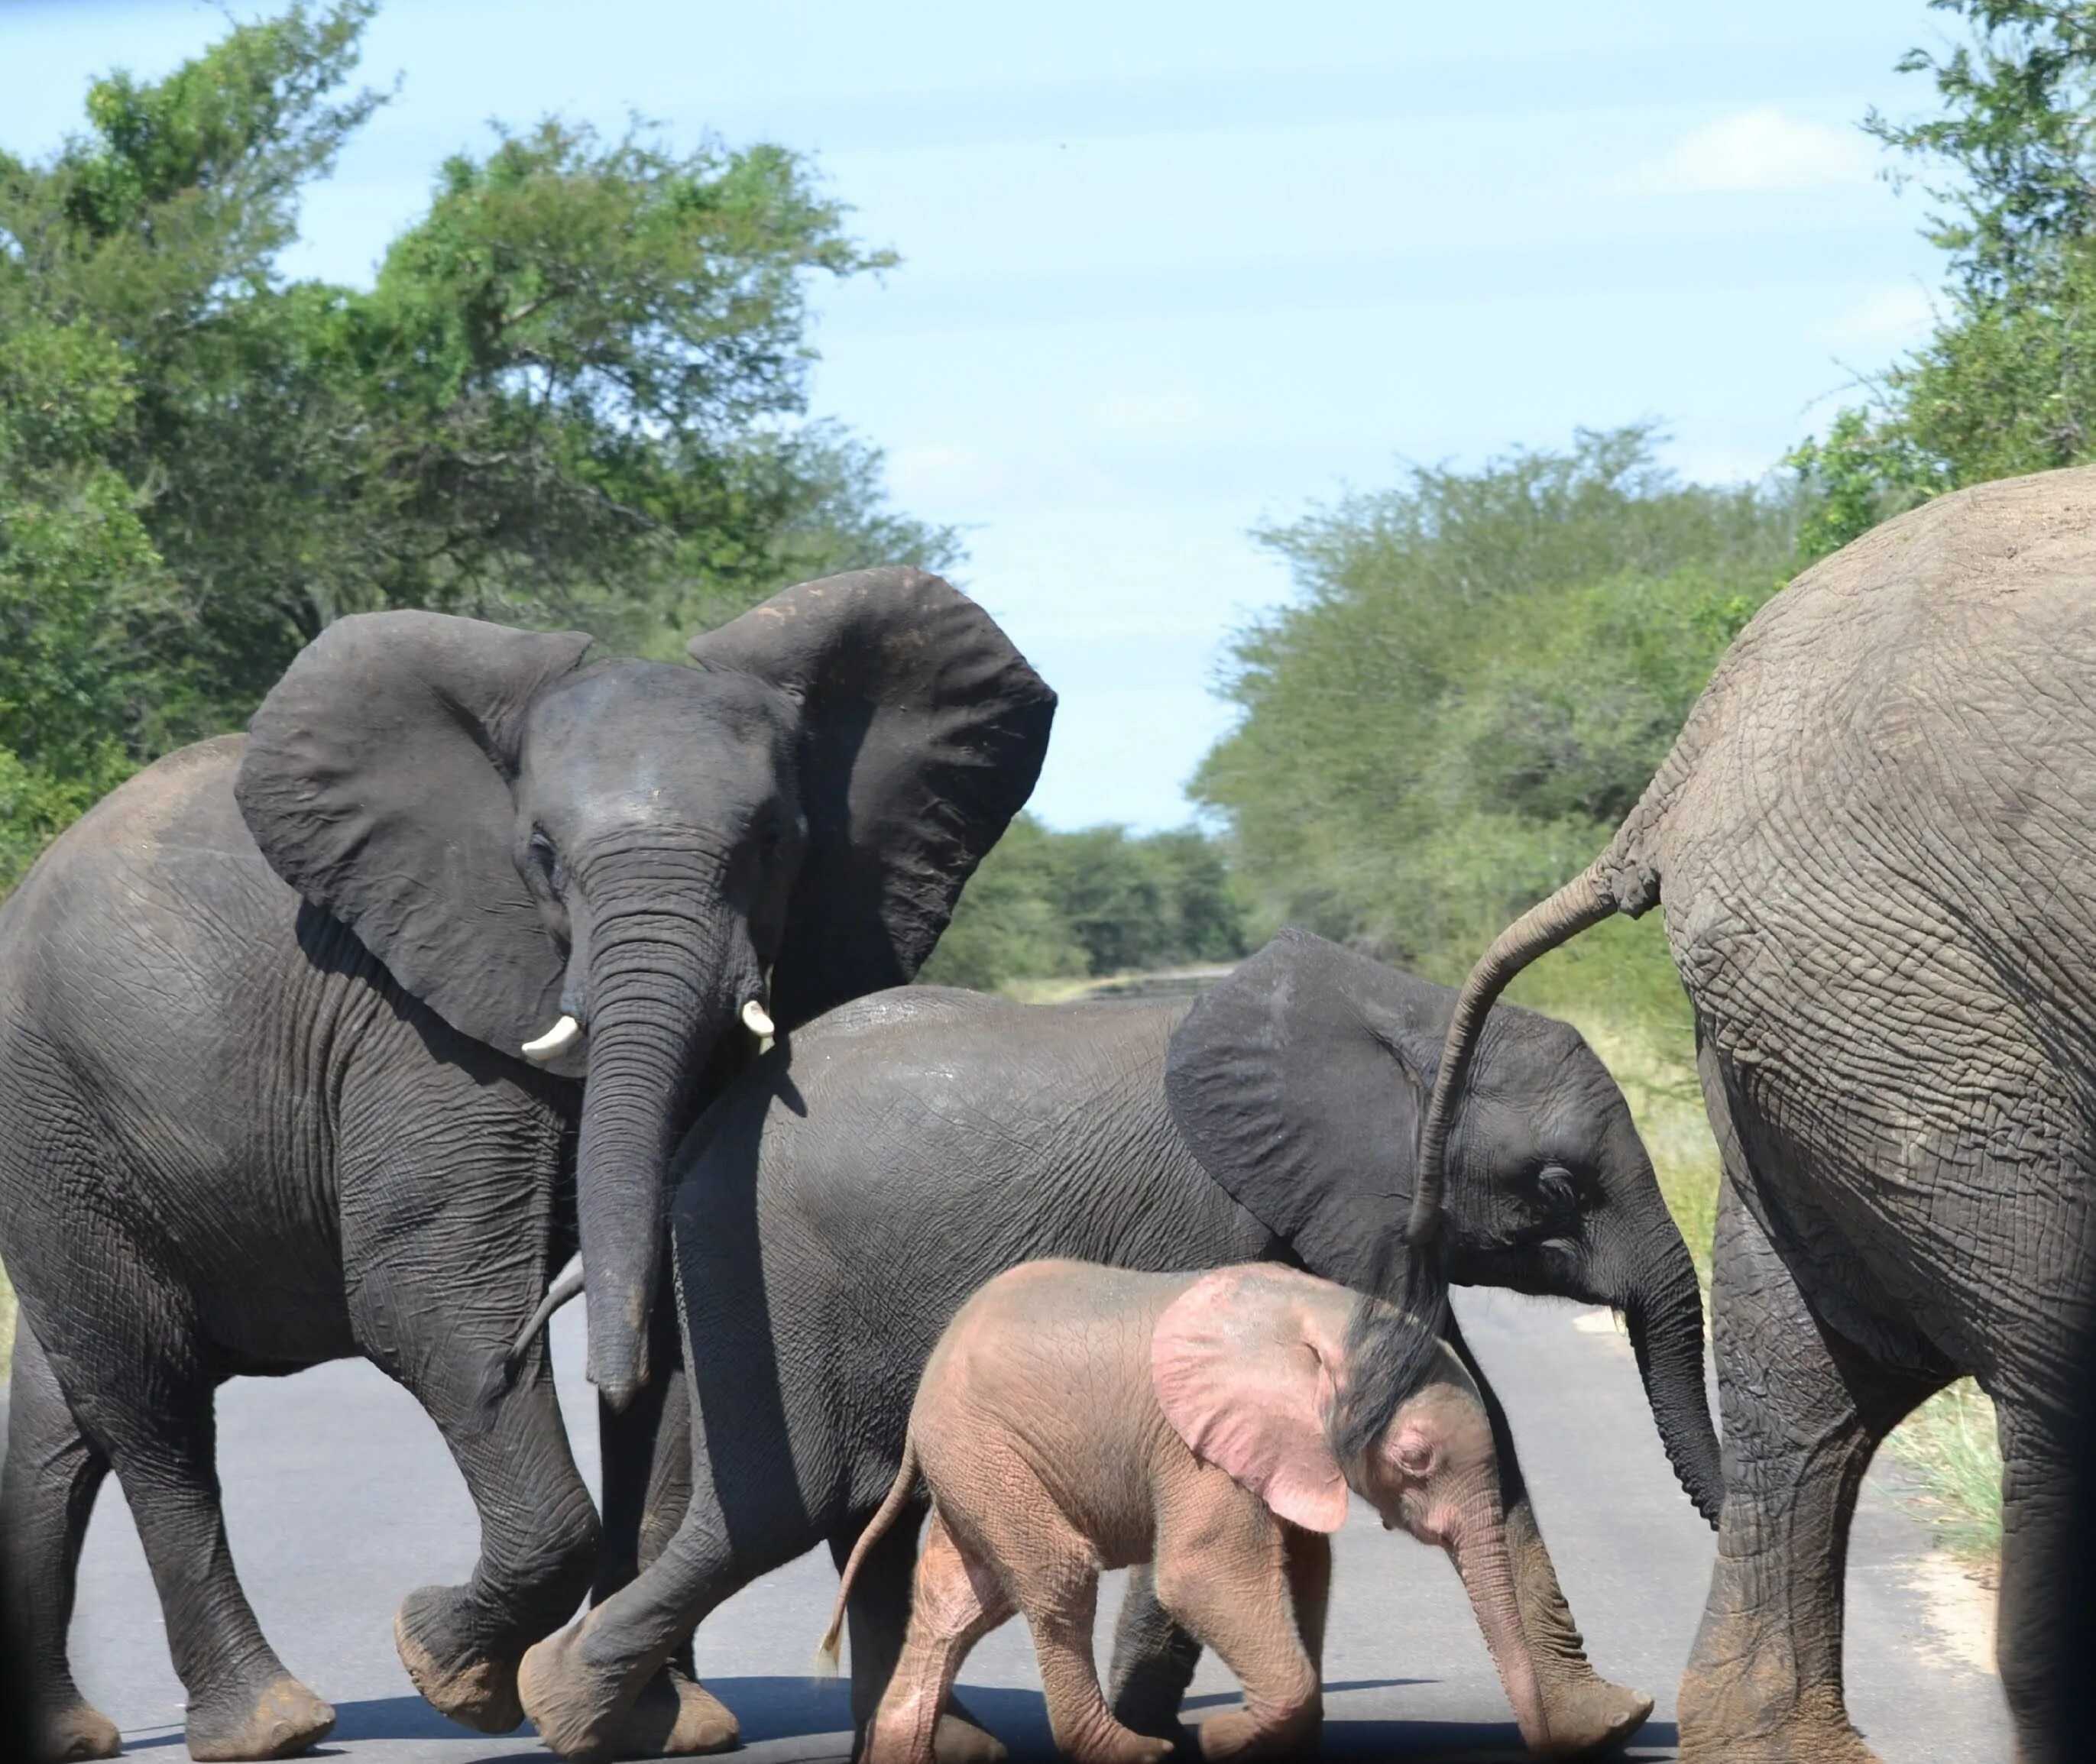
[
  {"x": 1887, "y": 321},
  {"x": 1763, "y": 149}
]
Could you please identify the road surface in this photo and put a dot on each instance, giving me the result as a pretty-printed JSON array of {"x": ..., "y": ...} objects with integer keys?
[{"x": 340, "y": 1498}]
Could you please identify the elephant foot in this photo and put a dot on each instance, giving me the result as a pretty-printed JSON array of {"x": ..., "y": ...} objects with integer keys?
[
  {"x": 454, "y": 1678},
  {"x": 1588, "y": 1715},
  {"x": 1238, "y": 1733},
  {"x": 674, "y": 1717},
  {"x": 958, "y": 1741},
  {"x": 282, "y": 1721},
  {"x": 580, "y": 1715},
  {"x": 1815, "y": 1731},
  {"x": 79, "y": 1730}
]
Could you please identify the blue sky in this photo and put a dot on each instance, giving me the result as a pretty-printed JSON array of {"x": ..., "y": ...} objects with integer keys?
[{"x": 1171, "y": 270}]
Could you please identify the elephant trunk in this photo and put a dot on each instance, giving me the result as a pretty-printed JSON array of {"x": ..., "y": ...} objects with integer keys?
[
  {"x": 661, "y": 992},
  {"x": 1477, "y": 1545},
  {"x": 1664, "y": 1309},
  {"x": 1582, "y": 902}
]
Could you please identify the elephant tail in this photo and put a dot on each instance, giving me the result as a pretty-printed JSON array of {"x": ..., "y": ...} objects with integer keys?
[
  {"x": 1583, "y": 903},
  {"x": 899, "y": 1497},
  {"x": 502, "y": 1375}
]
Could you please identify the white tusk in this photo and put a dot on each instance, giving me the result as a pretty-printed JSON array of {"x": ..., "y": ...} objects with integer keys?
[
  {"x": 554, "y": 1041},
  {"x": 757, "y": 1020}
]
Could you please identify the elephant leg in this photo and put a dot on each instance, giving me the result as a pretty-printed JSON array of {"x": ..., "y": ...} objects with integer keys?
[
  {"x": 878, "y": 1614},
  {"x": 958, "y": 1601},
  {"x": 1803, "y": 1409},
  {"x": 1310, "y": 1589},
  {"x": 2039, "y": 1482},
  {"x": 1223, "y": 1570},
  {"x": 1586, "y": 1712},
  {"x": 644, "y": 1452},
  {"x": 597, "y": 1689},
  {"x": 1154, "y": 1660},
  {"x": 47, "y": 1492},
  {"x": 538, "y": 1532},
  {"x": 242, "y": 1703}
]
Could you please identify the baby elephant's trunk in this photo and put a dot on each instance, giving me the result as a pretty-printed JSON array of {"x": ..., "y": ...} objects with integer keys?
[{"x": 898, "y": 1498}]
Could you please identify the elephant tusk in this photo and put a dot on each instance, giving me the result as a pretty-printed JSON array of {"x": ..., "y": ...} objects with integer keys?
[
  {"x": 554, "y": 1041},
  {"x": 757, "y": 1020}
]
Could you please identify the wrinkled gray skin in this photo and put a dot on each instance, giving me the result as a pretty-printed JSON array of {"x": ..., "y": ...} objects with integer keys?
[
  {"x": 241, "y": 1132},
  {"x": 838, "y": 1205},
  {"x": 1873, "y": 849}
]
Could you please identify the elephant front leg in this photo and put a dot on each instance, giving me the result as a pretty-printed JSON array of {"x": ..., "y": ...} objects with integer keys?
[
  {"x": 1804, "y": 1409},
  {"x": 1154, "y": 1659},
  {"x": 1586, "y": 1712},
  {"x": 539, "y": 1534}
]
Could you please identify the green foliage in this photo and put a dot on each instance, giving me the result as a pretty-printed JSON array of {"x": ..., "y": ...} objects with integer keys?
[
  {"x": 1479, "y": 675},
  {"x": 2014, "y": 135},
  {"x": 1098, "y": 901},
  {"x": 2007, "y": 383},
  {"x": 575, "y": 397}
]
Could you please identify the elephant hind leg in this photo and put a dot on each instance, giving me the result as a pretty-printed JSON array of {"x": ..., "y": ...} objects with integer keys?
[
  {"x": 879, "y": 1612},
  {"x": 242, "y": 1703},
  {"x": 958, "y": 1601},
  {"x": 47, "y": 1492},
  {"x": 1804, "y": 1410},
  {"x": 2038, "y": 1483}
]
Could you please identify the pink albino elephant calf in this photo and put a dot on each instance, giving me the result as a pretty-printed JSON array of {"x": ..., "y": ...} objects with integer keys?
[{"x": 1074, "y": 1417}]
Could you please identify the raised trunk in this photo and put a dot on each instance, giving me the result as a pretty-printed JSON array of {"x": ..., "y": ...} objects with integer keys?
[
  {"x": 658, "y": 999},
  {"x": 1664, "y": 1310},
  {"x": 1480, "y": 1553}
]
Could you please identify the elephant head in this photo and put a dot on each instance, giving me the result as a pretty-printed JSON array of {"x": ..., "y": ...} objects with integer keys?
[
  {"x": 604, "y": 866},
  {"x": 1298, "y": 1390},
  {"x": 1300, "y": 1083}
]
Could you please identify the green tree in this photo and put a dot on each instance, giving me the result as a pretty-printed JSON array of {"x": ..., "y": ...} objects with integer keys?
[
  {"x": 1478, "y": 676},
  {"x": 2006, "y": 383},
  {"x": 1098, "y": 901},
  {"x": 575, "y": 395}
]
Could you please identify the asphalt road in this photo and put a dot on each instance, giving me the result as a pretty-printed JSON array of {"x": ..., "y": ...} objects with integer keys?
[{"x": 340, "y": 1498}]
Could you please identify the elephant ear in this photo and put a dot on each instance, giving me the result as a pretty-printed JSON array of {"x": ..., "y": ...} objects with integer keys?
[
  {"x": 1247, "y": 1373},
  {"x": 377, "y": 783},
  {"x": 923, "y": 731},
  {"x": 1297, "y": 1083}
]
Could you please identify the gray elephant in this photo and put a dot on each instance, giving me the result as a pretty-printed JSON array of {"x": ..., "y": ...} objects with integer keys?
[
  {"x": 838, "y": 1204},
  {"x": 263, "y": 1100},
  {"x": 1873, "y": 849}
]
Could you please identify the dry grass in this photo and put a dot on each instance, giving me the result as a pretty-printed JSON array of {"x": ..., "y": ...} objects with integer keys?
[{"x": 1951, "y": 1448}]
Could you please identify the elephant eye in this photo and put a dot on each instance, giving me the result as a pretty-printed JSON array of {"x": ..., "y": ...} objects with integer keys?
[
  {"x": 1554, "y": 1185},
  {"x": 543, "y": 855}
]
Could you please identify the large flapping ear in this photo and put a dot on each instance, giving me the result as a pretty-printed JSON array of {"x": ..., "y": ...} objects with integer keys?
[
  {"x": 1246, "y": 1371},
  {"x": 377, "y": 783},
  {"x": 922, "y": 732},
  {"x": 1297, "y": 1083}
]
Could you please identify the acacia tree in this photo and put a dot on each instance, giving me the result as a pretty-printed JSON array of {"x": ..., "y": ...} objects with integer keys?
[{"x": 574, "y": 395}]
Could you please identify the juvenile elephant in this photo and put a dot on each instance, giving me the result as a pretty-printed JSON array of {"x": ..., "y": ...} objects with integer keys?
[
  {"x": 263, "y": 1095},
  {"x": 1075, "y": 1417},
  {"x": 1873, "y": 849},
  {"x": 837, "y": 1206}
]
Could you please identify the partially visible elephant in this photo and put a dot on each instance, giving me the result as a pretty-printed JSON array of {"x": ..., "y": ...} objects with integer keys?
[
  {"x": 840, "y": 1203},
  {"x": 1874, "y": 849},
  {"x": 263, "y": 1095},
  {"x": 1075, "y": 1417}
]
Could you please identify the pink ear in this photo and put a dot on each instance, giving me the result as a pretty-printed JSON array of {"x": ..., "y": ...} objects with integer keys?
[{"x": 1244, "y": 1368}]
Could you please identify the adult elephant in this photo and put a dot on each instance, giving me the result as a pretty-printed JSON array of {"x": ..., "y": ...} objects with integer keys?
[
  {"x": 263, "y": 1095},
  {"x": 837, "y": 1205},
  {"x": 1874, "y": 847}
]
